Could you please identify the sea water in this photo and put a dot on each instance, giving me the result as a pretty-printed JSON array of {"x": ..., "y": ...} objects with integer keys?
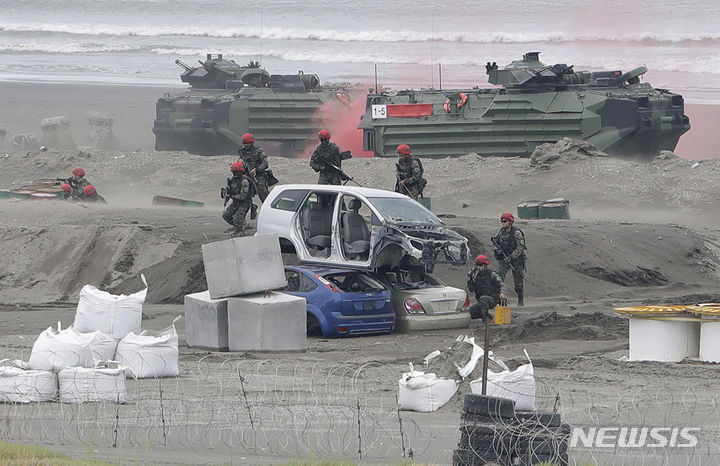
[{"x": 412, "y": 43}]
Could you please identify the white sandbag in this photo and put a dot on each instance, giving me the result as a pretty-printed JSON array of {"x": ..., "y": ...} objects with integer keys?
[
  {"x": 102, "y": 383},
  {"x": 517, "y": 385},
  {"x": 55, "y": 350},
  {"x": 150, "y": 354},
  {"x": 423, "y": 392},
  {"x": 115, "y": 315},
  {"x": 19, "y": 384}
]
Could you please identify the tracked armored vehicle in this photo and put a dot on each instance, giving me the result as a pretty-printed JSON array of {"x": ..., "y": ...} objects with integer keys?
[
  {"x": 226, "y": 100},
  {"x": 536, "y": 104}
]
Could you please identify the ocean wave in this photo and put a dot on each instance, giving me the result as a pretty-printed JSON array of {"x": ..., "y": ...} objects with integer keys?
[
  {"x": 66, "y": 47},
  {"x": 692, "y": 63},
  {"x": 377, "y": 35}
]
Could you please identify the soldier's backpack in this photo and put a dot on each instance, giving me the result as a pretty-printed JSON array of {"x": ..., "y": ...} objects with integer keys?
[{"x": 423, "y": 182}]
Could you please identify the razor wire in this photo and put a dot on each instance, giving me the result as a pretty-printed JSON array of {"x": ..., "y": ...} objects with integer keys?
[{"x": 231, "y": 404}]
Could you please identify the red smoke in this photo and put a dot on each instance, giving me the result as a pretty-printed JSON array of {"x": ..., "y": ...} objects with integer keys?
[{"x": 342, "y": 121}]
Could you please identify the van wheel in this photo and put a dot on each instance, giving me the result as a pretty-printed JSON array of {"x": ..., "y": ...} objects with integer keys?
[{"x": 313, "y": 326}]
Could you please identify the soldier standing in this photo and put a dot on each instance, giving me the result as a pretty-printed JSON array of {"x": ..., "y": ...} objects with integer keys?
[
  {"x": 256, "y": 164},
  {"x": 327, "y": 159},
  {"x": 488, "y": 287},
  {"x": 240, "y": 192},
  {"x": 510, "y": 252},
  {"x": 409, "y": 173}
]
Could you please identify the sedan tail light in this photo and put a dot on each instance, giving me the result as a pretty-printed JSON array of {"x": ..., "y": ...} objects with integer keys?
[
  {"x": 466, "y": 306},
  {"x": 329, "y": 285},
  {"x": 413, "y": 306}
]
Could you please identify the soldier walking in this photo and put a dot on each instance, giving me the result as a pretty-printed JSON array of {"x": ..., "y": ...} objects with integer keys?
[
  {"x": 488, "y": 287},
  {"x": 510, "y": 252},
  {"x": 240, "y": 192},
  {"x": 256, "y": 164},
  {"x": 409, "y": 173},
  {"x": 327, "y": 159}
]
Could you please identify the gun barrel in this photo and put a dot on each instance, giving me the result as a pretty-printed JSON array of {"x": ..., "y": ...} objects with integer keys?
[{"x": 183, "y": 65}]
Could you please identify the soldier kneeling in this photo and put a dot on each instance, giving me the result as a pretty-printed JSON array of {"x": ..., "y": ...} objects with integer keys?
[{"x": 488, "y": 287}]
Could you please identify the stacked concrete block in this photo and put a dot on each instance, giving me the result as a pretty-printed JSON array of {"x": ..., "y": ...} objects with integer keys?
[
  {"x": 239, "y": 312},
  {"x": 100, "y": 131},
  {"x": 268, "y": 321},
  {"x": 206, "y": 321},
  {"x": 245, "y": 265}
]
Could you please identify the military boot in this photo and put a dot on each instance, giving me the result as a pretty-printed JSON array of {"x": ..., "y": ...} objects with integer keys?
[
  {"x": 520, "y": 303},
  {"x": 238, "y": 232}
]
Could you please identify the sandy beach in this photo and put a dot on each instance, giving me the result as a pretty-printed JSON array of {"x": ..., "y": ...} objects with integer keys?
[
  {"x": 133, "y": 109},
  {"x": 639, "y": 233}
]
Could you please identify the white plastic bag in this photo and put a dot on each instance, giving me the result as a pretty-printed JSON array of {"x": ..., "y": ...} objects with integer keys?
[
  {"x": 102, "y": 383},
  {"x": 418, "y": 391},
  {"x": 19, "y": 384},
  {"x": 115, "y": 315},
  {"x": 517, "y": 385},
  {"x": 149, "y": 354},
  {"x": 55, "y": 350}
]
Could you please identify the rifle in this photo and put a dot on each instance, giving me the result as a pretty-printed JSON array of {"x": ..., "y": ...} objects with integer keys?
[
  {"x": 225, "y": 193},
  {"x": 500, "y": 253},
  {"x": 338, "y": 171}
]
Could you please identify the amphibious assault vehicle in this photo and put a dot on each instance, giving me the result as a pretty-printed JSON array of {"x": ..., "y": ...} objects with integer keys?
[
  {"x": 226, "y": 100},
  {"x": 536, "y": 104}
]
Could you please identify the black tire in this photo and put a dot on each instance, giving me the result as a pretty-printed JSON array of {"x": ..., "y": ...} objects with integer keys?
[
  {"x": 488, "y": 446},
  {"x": 470, "y": 418},
  {"x": 489, "y": 406},
  {"x": 538, "y": 418},
  {"x": 541, "y": 446},
  {"x": 313, "y": 326},
  {"x": 481, "y": 429},
  {"x": 464, "y": 457}
]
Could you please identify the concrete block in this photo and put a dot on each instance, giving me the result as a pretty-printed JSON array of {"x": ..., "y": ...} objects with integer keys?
[
  {"x": 245, "y": 265},
  {"x": 269, "y": 321},
  {"x": 206, "y": 321}
]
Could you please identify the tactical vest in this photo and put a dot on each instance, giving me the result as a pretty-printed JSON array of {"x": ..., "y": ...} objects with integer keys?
[
  {"x": 251, "y": 156},
  {"x": 483, "y": 285},
  {"x": 507, "y": 241},
  {"x": 235, "y": 185}
]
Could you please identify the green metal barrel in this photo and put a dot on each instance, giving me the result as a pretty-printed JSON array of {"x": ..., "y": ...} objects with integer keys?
[
  {"x": 529, "y": 209},
  {"x": 555, "y": 209}
]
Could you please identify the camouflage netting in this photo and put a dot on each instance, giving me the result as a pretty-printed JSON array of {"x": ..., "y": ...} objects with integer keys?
[
  {"x": 100, "y": 131},
  {"x": 565, "y": 149},
  {"x": 56, "y": 133}
]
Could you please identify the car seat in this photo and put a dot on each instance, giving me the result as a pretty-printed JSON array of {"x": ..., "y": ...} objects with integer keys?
[
  {"x": 293, "y": 283},
  {"x": 355, "y": 232},
  {"x": 317, "y": 224}
]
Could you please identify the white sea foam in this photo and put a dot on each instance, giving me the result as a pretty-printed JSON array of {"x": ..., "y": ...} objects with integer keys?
[{"x": 345, "y": 35}]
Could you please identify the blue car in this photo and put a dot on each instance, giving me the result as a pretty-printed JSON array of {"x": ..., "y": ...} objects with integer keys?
[{"x": 341, "y": 302}]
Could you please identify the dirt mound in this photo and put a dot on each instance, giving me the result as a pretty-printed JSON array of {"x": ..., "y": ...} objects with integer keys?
[
  {"x": 553, "y": 326},
  {"x": 565, "y": 149}
]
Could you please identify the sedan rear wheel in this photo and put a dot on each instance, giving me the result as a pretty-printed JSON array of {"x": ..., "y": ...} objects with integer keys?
[{"x": 313, "y": 326}]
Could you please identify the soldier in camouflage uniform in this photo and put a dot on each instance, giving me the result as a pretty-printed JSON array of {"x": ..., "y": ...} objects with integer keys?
[
  {"x": 90, "y": 194},
  {"x": 510, "y": 252},
  {"x": 77, "y": 181},
  {"x": 256, "y": 163},
  {"x": 488, "y": 287},
  {"x": 240, "y": 192},
  {"x": 409, "y": 173},
  {"x": 327, "y": 153}
]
